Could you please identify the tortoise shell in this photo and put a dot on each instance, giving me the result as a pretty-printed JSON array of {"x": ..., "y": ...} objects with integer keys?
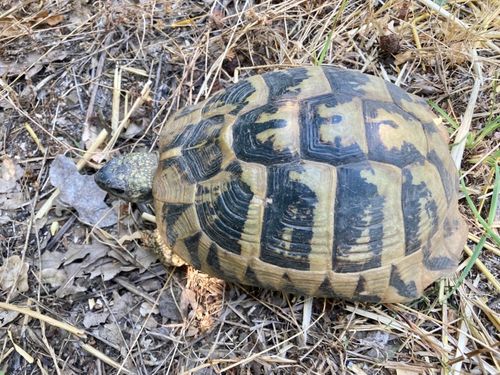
[{"x": 316, "y": 181}]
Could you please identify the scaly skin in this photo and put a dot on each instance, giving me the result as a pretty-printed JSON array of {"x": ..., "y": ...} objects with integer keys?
[{"x": 129, "y": 177}]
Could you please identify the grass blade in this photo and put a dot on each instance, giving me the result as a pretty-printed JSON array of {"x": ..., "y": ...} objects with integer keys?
[
  {"x": 468, "y": 267},
  {"x": 443, "y": 114},
  {"x": 494, "y": 197},
  {"x": 477, "y": 215},
  {"x": 329, "y": 37}
]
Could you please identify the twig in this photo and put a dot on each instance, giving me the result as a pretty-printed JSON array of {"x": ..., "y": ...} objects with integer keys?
[
  {"x": 46, "y": 319},
  {"x": 124, "y": 122},
  {"x": 103, "y": 357}
]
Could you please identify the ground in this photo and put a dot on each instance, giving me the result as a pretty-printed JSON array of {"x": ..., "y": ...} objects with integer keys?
[{"x": 81, "y": 81}]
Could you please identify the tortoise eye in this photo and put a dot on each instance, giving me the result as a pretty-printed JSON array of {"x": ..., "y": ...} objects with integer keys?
[{"x": 116, "y": 191}]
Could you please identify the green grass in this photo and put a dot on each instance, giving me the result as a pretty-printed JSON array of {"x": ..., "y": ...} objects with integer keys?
[
  {"x": 468, "y": 267},
  {"x": 494, "y": 203},
  {"x": 485, "y": 224},
  {"x": 445, "y": 115},
  {"x": 328, "y": 41},
  {"x": 474, "y": 138}
]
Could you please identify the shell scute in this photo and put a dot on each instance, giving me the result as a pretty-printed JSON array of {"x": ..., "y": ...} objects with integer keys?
[
  {"x": 393, "y": 136},
  {"x": 263, "y": 134},
  {"x": 335, "y": 131}
]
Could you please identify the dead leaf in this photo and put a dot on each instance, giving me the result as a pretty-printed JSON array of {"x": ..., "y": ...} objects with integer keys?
[
  {"x": 14, "y": 274},
  {"x": 31, "y": 63},
  {"x": 404, "y": 10},
  {"x": 188, "y": 301},
  {"x": 4, "y": 218},
  {"x": 112, "y": 333},
  {"x": 147, "y": 308},
  {"x": 11, "y": 201},
  {"x": 52, "y": 259},
  {"x": 93, "y": 319},
  {"x": 69, "y": 288},
  {"x": 148, "y": 324},
  {"x": 144, "y": 257},
  {"x": 54, "y": 277},
  {"x": 10, "y": 173},
  {"x": 62, "y": 269},
  {"x": 7, "y": 316},
  {"x": 87, "y": 253},
  {"x": 81, "y": 192},
  {"x": 132, "y": 130},
  {"x": 121, "y": 304},
  {"x": 11, "y": 197},
  {"x": 168, "y": 308},
  {"x": 9, "y": 27},
  {"x": 403, "y": 57},
  {"x": 44, "y": 18},
  {"x": 107, "y": 271}
]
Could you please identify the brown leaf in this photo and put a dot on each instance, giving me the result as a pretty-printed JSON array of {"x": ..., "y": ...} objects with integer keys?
[
  {"x": 14, "y": 274},
  {"x": 54, "y": 20},
  {"x": 54, "y": 277},
  {"x": 188, "y": 301},
  {"x": 403, "y": 10},
  {"x": 403, "y": 57},
  {"x": 9, "y": 27},
  {"x": 10, "y": 172}
]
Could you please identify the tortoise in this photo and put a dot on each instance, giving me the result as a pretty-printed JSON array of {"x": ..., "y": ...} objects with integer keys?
[{"x": 316, "y": 181}]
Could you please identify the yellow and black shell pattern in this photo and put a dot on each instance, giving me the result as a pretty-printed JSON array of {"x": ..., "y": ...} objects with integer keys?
[{"x": 316, "y": 181}]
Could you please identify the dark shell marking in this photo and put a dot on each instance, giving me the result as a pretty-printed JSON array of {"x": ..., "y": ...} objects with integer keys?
[{"x": 320, "y": 181}]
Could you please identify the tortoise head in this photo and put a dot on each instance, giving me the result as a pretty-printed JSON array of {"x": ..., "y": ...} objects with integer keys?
[{"x": 129, "y": 176}]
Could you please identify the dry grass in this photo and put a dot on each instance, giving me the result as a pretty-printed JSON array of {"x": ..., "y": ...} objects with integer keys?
[{"x": 72, "y": 73}]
